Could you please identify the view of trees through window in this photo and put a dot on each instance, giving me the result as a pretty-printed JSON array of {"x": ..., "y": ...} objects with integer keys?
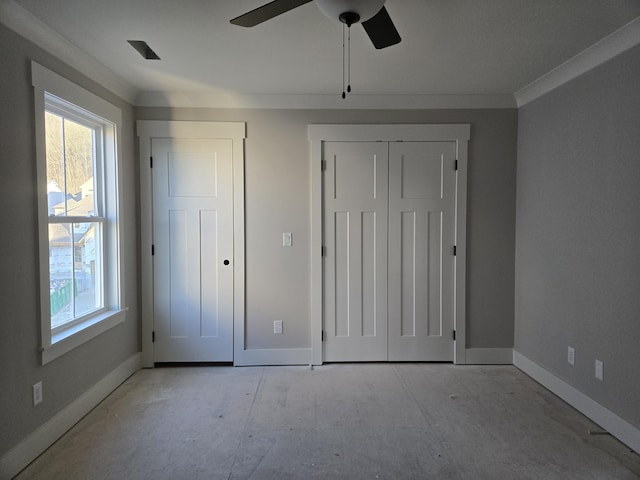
[
  {"x": 69, "y": 155},
  {"x": 74, "y": 259}
]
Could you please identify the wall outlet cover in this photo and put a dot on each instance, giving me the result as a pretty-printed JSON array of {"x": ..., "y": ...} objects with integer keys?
[
  {"x": 571, "y": 355},
  {"x": 37, "y": 393},
  {"x": 277, "y": 327},
  {"x": 599, "y": 370}
]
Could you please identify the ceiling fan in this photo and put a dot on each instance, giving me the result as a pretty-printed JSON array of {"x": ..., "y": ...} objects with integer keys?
[{"x": 371, "y": 13}]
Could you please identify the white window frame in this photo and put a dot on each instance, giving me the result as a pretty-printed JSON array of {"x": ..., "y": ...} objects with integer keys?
[{"x": 50, "y": 89}]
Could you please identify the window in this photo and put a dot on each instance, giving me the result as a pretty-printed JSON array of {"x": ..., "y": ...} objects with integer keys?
[{"x": 78, "y": 202}]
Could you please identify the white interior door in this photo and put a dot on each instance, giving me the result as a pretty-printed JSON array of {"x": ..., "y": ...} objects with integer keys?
[
  {"x": 355, "y": 222},
  {"x": 389, "y": 232},
  {"x": 421, "y": 239},
  {"x": 193, "y": 243}
]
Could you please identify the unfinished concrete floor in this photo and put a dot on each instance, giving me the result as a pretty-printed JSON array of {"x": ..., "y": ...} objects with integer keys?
[{"x": 348, "y": 421}]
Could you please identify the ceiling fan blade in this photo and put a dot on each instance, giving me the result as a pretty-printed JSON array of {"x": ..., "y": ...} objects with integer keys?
[
  {"x": 267, "y": 12},
  {"x": 381, "y": 30}
]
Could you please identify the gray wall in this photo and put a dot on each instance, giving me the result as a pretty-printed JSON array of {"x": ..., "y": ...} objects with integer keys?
[
  {"x": 578, "y": 232},
  {"x": 278, "y": 200},
  {"x": 67, "y": 377}
]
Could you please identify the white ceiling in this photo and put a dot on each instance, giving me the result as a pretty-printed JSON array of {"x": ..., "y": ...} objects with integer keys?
[{"x": 471, "y": 47}]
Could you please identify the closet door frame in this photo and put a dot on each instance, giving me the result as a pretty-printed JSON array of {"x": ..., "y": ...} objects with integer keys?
[{"x": 318, "y": 134}]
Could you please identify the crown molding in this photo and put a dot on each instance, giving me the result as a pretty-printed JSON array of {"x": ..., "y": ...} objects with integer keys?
[
  {"x": 22, "y": 22},
  {"x": 610, "y": 46},
  {"x": 206, "y": 99},
  {"x": 16, "y": 18}
]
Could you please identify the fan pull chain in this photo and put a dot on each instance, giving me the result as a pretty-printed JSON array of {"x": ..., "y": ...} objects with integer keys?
[
  {"x": 346, "y": 59},
  {"x": 348, "y": 19},
  {"x": 344, "y": 95},
  {"x": 349, "y": 60}
]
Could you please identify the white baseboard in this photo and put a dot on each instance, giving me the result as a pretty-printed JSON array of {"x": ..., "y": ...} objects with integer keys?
[
  {"x": 612, "y": 423},
  {"x": 302, "y": 356},
  {"x": 488, "y": 356},
  {"x": 273, "y": 356},
  {"x": 31, "y": 447}
]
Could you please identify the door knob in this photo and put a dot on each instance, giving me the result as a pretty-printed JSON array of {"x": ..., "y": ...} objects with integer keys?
[{"x": 226, "y": 262}]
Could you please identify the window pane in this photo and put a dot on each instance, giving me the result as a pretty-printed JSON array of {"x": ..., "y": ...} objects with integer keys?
[
  {"x": 75, "y": 270},
  {"x": 61, "y": 273},
  {"x": 70, "y": 167},
  {"x": 79, "y": 166},
  {"x": 88, "y": 268},
  {"x": 55, "y": 163}
]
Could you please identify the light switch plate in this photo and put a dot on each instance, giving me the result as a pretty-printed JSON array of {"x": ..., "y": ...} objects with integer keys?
[{"x": 287, "y": 239}]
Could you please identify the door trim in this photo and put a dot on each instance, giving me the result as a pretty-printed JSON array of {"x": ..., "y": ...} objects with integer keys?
[
  {"x": 236, "y": 131},
  {"x": 458, "y": 133}
]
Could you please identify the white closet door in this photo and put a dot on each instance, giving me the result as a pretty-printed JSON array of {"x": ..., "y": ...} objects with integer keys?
[
  {"x": 193, "y": 239},
  {"x": 355, "y": 238},
  {"x": 422, "y": 182}
]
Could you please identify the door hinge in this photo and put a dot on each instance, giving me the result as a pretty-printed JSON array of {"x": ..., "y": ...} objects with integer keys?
[
  {"x": 456, "y": 165},
  {"x": 455, "y": 250},
  {"x": 324, "y": 335},
  {"x": 150, "y": 162},
  {"x": 153, "y": 250},
  {"x": 153, "y": 337},
  {"x": 323, "y": 251},
  {"x": 323, "y": 165},
  {"x": 454, "y": 335}
]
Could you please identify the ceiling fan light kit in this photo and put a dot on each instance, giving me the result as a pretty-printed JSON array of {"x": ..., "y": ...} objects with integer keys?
[
  {"x": 365, "y": 9},
  {"x": 371, "y": 13}
]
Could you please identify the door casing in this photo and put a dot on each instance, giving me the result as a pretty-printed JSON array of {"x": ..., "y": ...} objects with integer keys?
[
  {"x": 318, "y": 134},
  {"x": 236, "y": 131}
]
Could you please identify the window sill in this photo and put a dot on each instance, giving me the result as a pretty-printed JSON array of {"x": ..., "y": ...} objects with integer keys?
[{"x": 70, "y": 338}]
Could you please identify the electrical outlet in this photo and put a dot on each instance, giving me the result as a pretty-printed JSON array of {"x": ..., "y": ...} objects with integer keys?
[
  {"x": 571, "y": 355},
  {"x": 277, "y": 327},
  {"x": 599, "y": 370},
  {"x": 37, "y": 393}
]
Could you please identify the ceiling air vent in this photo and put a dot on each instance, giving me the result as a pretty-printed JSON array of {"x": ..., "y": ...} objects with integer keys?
[{"x": 144, "y": 49}]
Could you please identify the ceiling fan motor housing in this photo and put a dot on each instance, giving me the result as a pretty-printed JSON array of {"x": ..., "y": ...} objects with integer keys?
[{"x": 344, "y": 10}]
